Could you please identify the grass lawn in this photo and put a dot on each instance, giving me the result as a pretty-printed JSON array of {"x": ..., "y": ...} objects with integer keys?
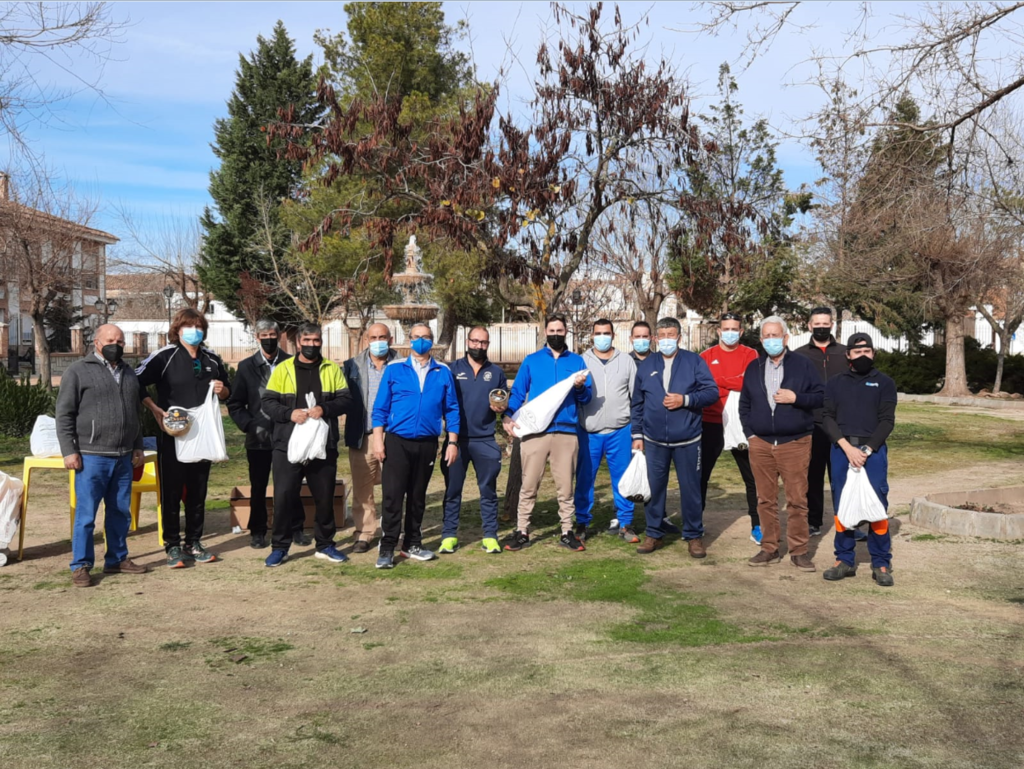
[{"x": 533, "y": 659}]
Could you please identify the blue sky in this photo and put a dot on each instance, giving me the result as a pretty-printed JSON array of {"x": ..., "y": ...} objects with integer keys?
[{"x": 146, "y": 145}]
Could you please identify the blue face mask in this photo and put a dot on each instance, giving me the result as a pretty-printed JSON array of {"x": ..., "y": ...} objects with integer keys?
[
  {"x": 730, "y": 337},
  {"x": 192, "y": 336},
  {"x": 668, "y": 346},
  {"x": 379, "y": 349},
  {"x": 422, "y": 345},
  {"x": 603, "y": 342},
  {"x": 773, "y": 347},
  {"x": 642, "y": 346}
]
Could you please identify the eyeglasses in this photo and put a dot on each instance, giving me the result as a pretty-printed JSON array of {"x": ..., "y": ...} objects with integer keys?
[
  {"x": 479, "y": 343},
  {"x": 197, "y": 368}
]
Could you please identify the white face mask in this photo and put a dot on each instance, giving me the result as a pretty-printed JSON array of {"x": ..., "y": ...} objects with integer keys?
[{"x": 602, "y": 342}]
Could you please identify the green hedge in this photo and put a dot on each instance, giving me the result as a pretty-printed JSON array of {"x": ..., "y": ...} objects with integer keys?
[
  {"x": 21, "y": 403},
  {"x": 922, "y": 372}
]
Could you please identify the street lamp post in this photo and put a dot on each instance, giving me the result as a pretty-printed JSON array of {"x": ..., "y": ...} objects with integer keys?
[
  {"x": 577, "y": 300},
  {"x": 106, "y": 308},
  {"x": 168, "y": 293}
]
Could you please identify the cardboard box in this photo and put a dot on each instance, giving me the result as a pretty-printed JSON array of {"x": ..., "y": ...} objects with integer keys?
[{"x": 241, "y": 499}]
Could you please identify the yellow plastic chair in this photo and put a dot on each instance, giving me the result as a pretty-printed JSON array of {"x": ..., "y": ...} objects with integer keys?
[{"x": 150, "y": 482}]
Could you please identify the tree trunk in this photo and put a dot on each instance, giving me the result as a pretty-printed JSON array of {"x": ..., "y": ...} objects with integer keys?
[
  {"x": 42, "y": 346},
  {"x": 510, "y": 509},
  {"x": 446, "y": 333},
  {"x": 1004, "y": 342},
  {"x": 956, "y": 367}
]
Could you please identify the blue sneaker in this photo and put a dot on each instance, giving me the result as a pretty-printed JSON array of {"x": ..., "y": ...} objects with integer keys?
[
  {"x": 386, "y": 559},
  {"x": 276, "y": 558},
  {"x": 755, "y": 535},
  {"x": 332, "y": 554}
]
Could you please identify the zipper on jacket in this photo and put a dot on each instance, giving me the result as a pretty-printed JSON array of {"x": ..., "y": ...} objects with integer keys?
[{"x": 92, "y": 435}]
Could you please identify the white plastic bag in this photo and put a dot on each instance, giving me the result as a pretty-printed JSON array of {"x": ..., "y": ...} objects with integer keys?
[
  {"x": 536, "y": 415},
  {"x": 309, "y": 440},
  {"x": 43, "y": 442},
  {"x": 204, "y": 441},
  {"x": 859, "y": 503},
  {"x": 734, "y": 437},
  {"x": 633, "y": 484},
  {"x": 10, "y": 511}
]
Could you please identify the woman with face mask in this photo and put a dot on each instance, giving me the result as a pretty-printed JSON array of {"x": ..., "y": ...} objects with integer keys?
[{"x": 182, "y": 372}]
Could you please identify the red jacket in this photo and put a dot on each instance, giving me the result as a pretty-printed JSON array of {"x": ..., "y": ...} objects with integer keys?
[{"x": 727, "y": 368}]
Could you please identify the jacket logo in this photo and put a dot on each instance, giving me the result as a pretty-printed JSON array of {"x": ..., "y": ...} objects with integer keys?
[
  {"x": 871, "y": 384},
  {"x": 487, "y": 376},
  {"x": 462, "y": 377},
  {"x": 714, "y": 361},
  {"x": 654, "y": 373}
]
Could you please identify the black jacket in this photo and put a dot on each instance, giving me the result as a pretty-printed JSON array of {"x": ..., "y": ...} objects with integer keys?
[
  {"x": 828, "y": 362},
  {"x": 355, "y": 370},
  {"x": 172, "y": 370},
  {"x": 789, "y": 421},
  {"x": 244, "y": 404}
]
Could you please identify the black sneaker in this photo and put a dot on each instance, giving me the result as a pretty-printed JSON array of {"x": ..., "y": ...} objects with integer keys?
[
  {"x": 581, "y": 532},
  {"x": 258, "y": 541},
  {"x": 814, "y": 531},
  {"x": 571, "y": 542},
  {"x": 517, "y": 540},
  {"x": 301, "y": 538},
  {"x": 196, "y": 552},
  {"x": 175, "y": 558}
]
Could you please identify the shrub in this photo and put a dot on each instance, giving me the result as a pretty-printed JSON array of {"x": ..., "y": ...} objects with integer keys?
[
  {"x": 922, "y": 371},
  {"x": 21, "y": 403}
]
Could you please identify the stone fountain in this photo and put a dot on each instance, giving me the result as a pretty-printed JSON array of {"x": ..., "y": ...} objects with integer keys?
[{"x": 414, "y": 286}]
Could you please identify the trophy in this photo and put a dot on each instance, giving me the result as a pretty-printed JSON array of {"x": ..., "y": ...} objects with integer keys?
[{"x": 499, "y": 398}]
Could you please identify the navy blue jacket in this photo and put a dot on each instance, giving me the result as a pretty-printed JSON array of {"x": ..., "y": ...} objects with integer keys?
[
  {"x": 473, "y": 392},
  {"x": 690, "y": 377},
  {"x": 540, "y": 371},
  {"x": 789, "y": 421},
  {"x": 402, "y": 409}
]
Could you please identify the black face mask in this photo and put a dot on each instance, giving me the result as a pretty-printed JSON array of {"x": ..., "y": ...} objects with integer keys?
[
  {"x": 112, "y": 352},
  {"x": 479, "y": 354},
  {"x": 556, "y": 342},
  {"x": 862, "y": 364},
  {"x": 269, "y": 346},
  {"x": 821, "y": 334},
  {"x": 310, "y": 352}
]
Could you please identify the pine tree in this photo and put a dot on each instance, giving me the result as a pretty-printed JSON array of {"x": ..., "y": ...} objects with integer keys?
[{"x": 250, "y": 171}]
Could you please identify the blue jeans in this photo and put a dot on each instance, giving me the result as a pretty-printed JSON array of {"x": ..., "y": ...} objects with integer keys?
[
  {"x": 485, "y": 456},
  {"x": 107, "y": 480},
  {"x": 617, "y": 446},
  {"x": 879, "y": 541},
  {"x": 687, "y": 462}
]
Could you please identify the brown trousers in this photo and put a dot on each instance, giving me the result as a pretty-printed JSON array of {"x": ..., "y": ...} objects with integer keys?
[
  {"x": 561, "y": 449},
  {"x": 365, "y": 475},
  {"x": 787, "y": 461}
]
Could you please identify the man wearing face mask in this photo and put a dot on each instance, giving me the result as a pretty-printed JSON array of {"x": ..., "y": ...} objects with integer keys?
[
  {"x": 780, "y": 392},
  {"x": 416, "y": 401},
  {"x": 671, "y": 390},
  {"x": 829, "y": 359},
  {"x": 640, "y": 340},
  {"x": 859, "y": 415},
  {"x": 183, "y": 372},
  {"x": 364, "y": 373},
  {"x": 728, "y": 360},
  {"x": 246, "y": 410},
  {"x": 604, "y": 430},
  {"x": 100, "y": 437},
  {"x": 286, "y": 403},
  {"x": 475, "y": 379},
  {"x": 558, "y": 444}
]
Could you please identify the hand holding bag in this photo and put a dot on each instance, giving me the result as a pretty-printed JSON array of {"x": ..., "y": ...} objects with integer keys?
[
  {"x": 633, "y": 484},
  {"x": 309, "y": 440},
  {"x": 204, "y": 441},
  {"x": 859, "y": 503}
]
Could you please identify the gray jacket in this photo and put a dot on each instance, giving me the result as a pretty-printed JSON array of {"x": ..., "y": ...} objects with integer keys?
[
  {"x": 95, "y": 414},
  {"x": 356, "y": 374},
  {"x": 613, "y": 382}
]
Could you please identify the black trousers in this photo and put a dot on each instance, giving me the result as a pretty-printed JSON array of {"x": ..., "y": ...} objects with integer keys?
[
  {"x": 175, "y": 478},
  {"x": 712, "y": 441},
  {"x": 821, "y": 452},
  {"x": 321, "y": 476},
  {"x": 405, "y": 476},
  {"x": 260, "y": 463}
]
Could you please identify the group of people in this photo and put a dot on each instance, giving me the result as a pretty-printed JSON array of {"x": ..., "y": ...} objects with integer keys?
[{"x": 821, "y": 408}]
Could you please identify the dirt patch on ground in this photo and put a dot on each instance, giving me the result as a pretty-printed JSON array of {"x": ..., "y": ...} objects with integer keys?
[{"x": 233, "y": 664}]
